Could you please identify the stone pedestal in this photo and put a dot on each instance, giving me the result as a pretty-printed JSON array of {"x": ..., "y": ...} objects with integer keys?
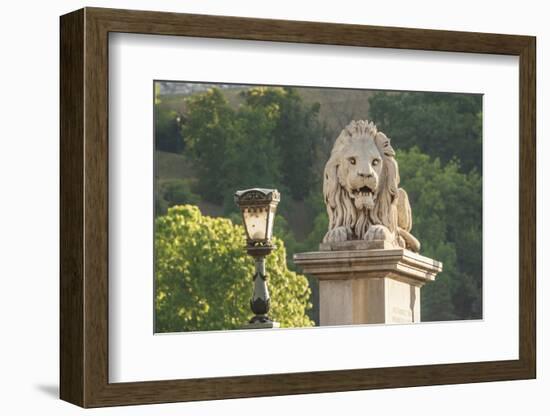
[
  {"x": 368, "y": 283},
  {"x": 262, "y": 325}
]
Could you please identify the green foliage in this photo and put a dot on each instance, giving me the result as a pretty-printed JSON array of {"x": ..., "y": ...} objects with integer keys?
[
  {"x": 233, "y": 148},
  {"x": 282, "y": 230},
  {"x": 204, "y": 276},
  {"x": 298, "y": 135},
  {"x": 320, "y": 227},
  {"x": 209, "y": 132},
  {"x": 447, "y": 210},
  {"x": 442, "y": 125},
  {"x": 168, "y": 136},
  {"x": 174, "y": 192},
  {"x": 251, "y": 156},
  {"x": 316, "y": 210},
  {"x": 272, "y": 140}
]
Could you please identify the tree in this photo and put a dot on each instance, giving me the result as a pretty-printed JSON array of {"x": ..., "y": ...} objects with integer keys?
[
  {"x": 209, "y": 130},
  {"x": 446, "y": 207},
  {"x": 168, "y": 135},
  {"x": 204, "y": 277},
  {"x": 442, "y": 125},
  {"x": 297, "y": 134},
  {"x": 251, "y": 156},
  {"x": 234, "y": 149},
  {"x": 172, "y": 192}
]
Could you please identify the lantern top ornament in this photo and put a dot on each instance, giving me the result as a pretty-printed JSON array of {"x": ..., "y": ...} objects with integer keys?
[{"x": 257, "y": 196}]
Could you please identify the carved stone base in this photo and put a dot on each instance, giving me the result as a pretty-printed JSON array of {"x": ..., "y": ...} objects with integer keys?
[{"x": 368, "y": 286}]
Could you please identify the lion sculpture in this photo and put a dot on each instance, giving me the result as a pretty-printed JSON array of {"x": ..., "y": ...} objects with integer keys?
[{"x": 361, "y": 190}]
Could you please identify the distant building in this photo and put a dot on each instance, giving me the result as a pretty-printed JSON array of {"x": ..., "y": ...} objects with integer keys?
[{"x": 186, "y": 88}]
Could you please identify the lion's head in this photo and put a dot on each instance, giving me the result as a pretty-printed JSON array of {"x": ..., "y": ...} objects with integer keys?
[{"x": 361, "y": 181}]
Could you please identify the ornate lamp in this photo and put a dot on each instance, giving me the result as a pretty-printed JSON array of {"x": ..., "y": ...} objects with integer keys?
[{"x": 258, "y": 207}]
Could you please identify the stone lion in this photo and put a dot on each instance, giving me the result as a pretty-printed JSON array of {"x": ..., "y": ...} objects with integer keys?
[{"x": 361, "y": 190}]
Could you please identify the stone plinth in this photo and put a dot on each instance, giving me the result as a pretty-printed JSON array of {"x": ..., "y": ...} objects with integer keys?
[
  {"x": 368, "y": 284},
  {"x": 262, "y": 325}
]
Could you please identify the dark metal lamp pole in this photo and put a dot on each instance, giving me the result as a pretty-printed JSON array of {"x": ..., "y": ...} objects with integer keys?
[{"x": 258, "y": 208}]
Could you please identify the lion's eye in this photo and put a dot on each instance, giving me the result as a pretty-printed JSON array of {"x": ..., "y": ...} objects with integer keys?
[
  {"x": 352, "y": 160},
  {"x": 375, "y": 162}
]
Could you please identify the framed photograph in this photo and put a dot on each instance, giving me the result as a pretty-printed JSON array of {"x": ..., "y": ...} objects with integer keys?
[{"x": 255, "y": 207}]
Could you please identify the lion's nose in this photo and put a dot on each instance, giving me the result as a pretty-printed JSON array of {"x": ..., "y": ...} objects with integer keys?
[{"x": 364, "y": 175}]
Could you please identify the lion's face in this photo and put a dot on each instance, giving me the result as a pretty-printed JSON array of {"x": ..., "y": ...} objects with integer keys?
[{"x": 359, "y": 171}]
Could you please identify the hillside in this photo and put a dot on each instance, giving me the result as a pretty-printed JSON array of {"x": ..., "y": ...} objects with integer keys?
[
  {"x": 338, "y": 106},
  {"x": 177, "y": 166}
]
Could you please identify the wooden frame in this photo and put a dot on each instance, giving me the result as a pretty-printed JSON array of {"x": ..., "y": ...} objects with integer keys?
[{"x": 84, "y": 207}]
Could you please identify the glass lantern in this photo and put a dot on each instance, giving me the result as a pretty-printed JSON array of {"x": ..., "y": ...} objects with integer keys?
[{"x": 258, "y": 208}]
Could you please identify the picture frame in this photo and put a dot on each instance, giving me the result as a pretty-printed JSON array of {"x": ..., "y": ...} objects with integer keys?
[{"x": 84, "y": 217}]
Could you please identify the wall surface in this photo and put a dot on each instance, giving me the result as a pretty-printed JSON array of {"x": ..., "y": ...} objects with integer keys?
[{"x": 29, "y": 161}]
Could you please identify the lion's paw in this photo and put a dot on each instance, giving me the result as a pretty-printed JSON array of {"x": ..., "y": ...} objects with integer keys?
[
  {"x": 379, "y": 232},
  {"x": 337, "y": 235}
]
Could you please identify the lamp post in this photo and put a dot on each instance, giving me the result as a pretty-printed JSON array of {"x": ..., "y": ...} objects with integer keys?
[{"x": 258, "y": 208}]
